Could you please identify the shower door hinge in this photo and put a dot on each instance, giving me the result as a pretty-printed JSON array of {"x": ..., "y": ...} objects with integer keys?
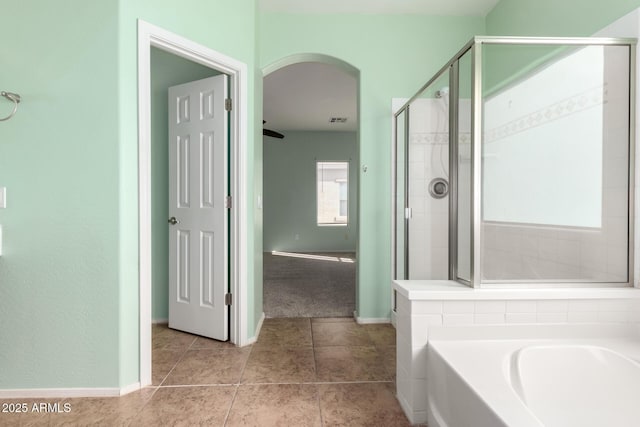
[
  {"x": 228, "y": 299},
  {"x": 407, "y": 213},
  {"x": 228, "y": 104},
  {"x": 228, "y": 202}
]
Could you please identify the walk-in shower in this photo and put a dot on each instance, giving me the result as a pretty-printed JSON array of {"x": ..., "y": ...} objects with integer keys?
[{"x": 514, "y": 165}]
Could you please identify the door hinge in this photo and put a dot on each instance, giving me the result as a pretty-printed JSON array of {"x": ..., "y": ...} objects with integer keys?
[
  {"x": 228, "y": 299},
  {"x": 228, "y": 105},
  {"x": 228, "y": 202}
]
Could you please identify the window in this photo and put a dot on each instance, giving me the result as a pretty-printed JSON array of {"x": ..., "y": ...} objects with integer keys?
[{"x": 332, "y": 182}]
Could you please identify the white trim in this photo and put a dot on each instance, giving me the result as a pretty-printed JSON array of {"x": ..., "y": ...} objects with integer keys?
[
  {"x": 159, "y": 321},
  {"x": 254, "y": 338},
  {"x": 311, "y": 57},
  {"x": 29, "y": 393},
  {"x": 130, "y": 389},
  {"x": 148, "y": 36},
  {"x": 370, "y": 320}
]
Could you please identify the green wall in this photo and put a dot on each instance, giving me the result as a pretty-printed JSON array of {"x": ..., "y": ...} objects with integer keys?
[
  {"x": 395, "y": 54},
  {"x": 69, "y": 270},
  {"x": 166, "y": 70},
  {"x": 555, "y": 18},
  {"x": 59, "y": 272},
  {"x": 290, "y": 191}
]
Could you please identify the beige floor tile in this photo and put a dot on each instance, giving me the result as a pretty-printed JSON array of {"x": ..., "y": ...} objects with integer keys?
[
  {"x": 202, "y": 343},
  {"x": 275, "y": 405},
  {"x": 162, "y": 362},
  {"x": 369, "y": 404},
  {"x": 165, "y": 338},
  {"x": 187, "y": 406},
  {"x": 289, "y": 332},
  {"x": 388, "y": 355},
  {"x": 21, "y": 412},
  {"x": 280, "y": 365},
  {"x": 340, "y": 333},
  {"x": 381, "y": 334},
  {"x": 103, "y": 411},
  {"x": 209, "y": 367},
  {"x": 289, "y": 352},
  {"x": 350, "y": 364}
]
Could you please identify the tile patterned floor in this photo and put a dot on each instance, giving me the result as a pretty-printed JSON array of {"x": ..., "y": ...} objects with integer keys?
[{"x": 301, "y": 372}]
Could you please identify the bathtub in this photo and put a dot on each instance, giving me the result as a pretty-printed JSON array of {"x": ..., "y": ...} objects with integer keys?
[{"x": 534, "y": 375}]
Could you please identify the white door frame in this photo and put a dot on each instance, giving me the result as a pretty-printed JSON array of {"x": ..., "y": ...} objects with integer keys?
[{"x": 152, "y": 36}]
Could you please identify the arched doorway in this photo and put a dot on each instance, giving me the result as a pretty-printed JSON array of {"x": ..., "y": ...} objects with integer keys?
[{"x": 310, "y": 181}]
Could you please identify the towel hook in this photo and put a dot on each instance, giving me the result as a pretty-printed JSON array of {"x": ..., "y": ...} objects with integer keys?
[{"x": 15, "y": 98}]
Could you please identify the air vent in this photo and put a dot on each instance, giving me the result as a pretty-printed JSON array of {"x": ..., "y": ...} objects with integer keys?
[{"x": 338, "y": 120}]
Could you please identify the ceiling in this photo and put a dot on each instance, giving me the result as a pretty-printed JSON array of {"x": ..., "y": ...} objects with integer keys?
[
  {"x": 427, "y": 7},
  {"x": 304, "y": 96}
]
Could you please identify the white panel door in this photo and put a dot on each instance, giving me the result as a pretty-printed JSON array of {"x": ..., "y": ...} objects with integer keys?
[{"x": 197, "y": 213}]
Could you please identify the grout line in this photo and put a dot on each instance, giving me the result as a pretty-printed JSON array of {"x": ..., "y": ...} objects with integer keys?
[
  {"x": 233, "y": 401},
  {"x": 184, "y": 352},
  {"x": 157, "y": 387},
  {"x": 313, "y": 350},
  {"x": 244, "y": 366},
  {"x": 319, "y": 405},
  {"x": 312, "y": 383},
  {"x": 237, "y": 386},
  {"x": 199, "y": 385}
]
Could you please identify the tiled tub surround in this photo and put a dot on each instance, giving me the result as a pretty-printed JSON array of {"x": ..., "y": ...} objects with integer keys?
[{"x": 423, "y": 304}]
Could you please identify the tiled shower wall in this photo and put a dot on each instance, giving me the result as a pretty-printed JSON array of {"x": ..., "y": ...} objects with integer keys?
[{"x": 428, "y": 159}]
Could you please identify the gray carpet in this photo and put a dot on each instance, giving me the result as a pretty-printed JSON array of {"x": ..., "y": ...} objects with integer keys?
[{"x": 309, "y": 284}]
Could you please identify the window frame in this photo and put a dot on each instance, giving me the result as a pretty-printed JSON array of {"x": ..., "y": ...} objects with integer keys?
[{"x": 339, "y": 181}]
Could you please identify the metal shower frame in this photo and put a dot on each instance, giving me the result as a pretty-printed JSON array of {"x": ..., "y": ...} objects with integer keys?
[{"x": 475, "y": 46}]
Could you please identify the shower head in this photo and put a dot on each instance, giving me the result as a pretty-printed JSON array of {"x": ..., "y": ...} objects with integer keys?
[{"x": 11, "y": 96}]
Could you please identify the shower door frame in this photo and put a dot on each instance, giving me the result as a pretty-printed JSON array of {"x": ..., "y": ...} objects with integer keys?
[{"x": 475, "y": 45}]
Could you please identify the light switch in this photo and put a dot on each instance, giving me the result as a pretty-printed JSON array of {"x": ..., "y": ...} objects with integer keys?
[{"x": 3, "y": 197}]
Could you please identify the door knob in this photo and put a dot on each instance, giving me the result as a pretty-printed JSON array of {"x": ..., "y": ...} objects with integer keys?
[{"x": 173, "y": 220}]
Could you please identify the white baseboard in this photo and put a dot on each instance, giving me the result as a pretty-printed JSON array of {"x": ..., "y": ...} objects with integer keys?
[
  {"x": 370, "y": 320},
  {"x": 254, "y": 338},
  {"x": 30, "y": 393},
  {"x": 130, "y": 388},
  {"x": 159, "y": 321},
  {"x": 394, "y": 318}
]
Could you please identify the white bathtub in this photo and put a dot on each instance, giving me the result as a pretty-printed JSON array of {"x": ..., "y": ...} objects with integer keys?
[{"x": 520, "y": 376}]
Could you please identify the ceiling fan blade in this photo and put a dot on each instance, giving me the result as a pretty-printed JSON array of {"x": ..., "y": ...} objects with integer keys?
[{"x": 272, "y": 133}]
